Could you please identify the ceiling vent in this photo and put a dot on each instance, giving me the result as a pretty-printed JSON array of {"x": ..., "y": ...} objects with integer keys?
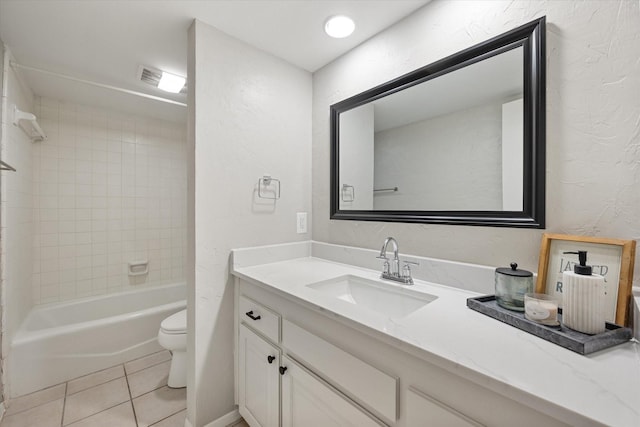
[{"x": 151, "y": 76}]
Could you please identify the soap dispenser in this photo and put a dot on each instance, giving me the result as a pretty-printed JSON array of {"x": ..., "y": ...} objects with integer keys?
[{"x": 583, "y": 295}]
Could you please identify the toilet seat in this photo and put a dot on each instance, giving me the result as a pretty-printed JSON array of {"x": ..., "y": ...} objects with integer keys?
[{"x": 175, "y": 324}]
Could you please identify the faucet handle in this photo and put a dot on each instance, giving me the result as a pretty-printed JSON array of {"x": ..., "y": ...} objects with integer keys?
[
  {"x": 406, "y": 269},
  {"x": 385, "y": 266}
]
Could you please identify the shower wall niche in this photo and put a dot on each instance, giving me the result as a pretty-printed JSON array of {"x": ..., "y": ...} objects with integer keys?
[{"x": 109, "y": 188}]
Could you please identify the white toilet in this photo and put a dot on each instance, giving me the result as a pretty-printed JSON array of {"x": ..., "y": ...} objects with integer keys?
[{"x": 173, "y": 336}]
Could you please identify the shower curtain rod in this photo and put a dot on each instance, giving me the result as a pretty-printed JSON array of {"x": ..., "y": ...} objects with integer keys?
[{"x": 102, "y": 85}]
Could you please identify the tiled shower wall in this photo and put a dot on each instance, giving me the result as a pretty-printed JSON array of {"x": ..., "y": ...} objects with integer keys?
[{"x": 109, "y": 189}]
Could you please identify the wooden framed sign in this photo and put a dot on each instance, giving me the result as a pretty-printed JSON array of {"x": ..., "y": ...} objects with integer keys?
[{"x": 611, "y": 258}]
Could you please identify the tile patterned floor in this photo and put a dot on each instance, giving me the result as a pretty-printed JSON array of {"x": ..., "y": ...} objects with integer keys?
[{"x": 134, "y": 394}]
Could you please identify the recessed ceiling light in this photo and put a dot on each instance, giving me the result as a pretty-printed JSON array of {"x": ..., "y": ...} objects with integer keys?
[
  {"x": 171, "y": 83},
  {"x": 339, "y": 26}
]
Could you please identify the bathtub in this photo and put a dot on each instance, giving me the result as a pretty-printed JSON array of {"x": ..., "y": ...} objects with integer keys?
[{"x": 59, "y": 342}]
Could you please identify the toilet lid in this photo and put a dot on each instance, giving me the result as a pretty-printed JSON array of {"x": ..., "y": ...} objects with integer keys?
[{"x": 176, "y": 323}]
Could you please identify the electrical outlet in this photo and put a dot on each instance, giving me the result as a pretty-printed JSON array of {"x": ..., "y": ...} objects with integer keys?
[{"x": 301, "y": 222}]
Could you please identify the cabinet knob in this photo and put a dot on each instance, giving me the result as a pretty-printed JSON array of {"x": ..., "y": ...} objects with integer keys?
[
  {"x": 270, "y": 359},
  {"x": 283, "y": 369},
  {"x": 251, "y": 316}
]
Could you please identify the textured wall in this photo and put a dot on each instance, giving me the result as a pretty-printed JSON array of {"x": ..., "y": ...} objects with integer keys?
[
  {"x": 2, "y": 132},
  {"x": 16, "y": 231},
  {"x": 109, "y": 188},
  {"x": 593, "y": 122},
  {"x": 250, "y": 115}
]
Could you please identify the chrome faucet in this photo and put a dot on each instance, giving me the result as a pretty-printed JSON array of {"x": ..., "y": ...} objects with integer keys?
[{"x": 393, "y": 273}]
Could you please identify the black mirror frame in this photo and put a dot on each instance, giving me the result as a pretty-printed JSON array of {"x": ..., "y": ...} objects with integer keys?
[{"x": 531, "y": 37}]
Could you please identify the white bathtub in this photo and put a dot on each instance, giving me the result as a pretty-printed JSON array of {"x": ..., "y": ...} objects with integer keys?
[{"x": 59, "y": 342}]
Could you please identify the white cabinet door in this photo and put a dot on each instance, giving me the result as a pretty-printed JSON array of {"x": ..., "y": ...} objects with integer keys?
[
  {"x": 423, "y": 410},
  {"x": 355, "y": 377},
  {"x": 259, "y": 388},
  {"x": 308, "y": 402}
]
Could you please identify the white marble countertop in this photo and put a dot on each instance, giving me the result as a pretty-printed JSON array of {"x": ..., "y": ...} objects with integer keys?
[{"x": 601, "y": 388}]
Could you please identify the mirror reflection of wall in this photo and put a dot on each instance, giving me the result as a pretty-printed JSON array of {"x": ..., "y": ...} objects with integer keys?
[
  {"x": 450, "y": 143},
  {"x": 437, "y": 168},
  {"x": 356, "y": 167}
]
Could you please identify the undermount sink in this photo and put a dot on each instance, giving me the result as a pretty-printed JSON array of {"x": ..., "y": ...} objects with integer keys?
[{"x": 387, "y": 299}]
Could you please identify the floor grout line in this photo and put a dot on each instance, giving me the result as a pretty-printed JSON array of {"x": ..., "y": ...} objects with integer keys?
[
  {"x": 93, "y": 386},
  {"x": 133, "y": 408},
  {"x": 130, "y": 400},
  {"x": 168, "y": 416},
  {"x": 64, "y": 403},
  {"x": 99, "y": 412},
  {"x": 10, "y": 400},
  {"x": 148, "y": 366}
]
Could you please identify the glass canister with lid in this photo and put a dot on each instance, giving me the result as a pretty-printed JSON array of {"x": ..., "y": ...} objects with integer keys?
[{"x": 511, "y": 285}]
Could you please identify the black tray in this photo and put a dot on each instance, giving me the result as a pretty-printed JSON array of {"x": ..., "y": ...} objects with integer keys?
[{"x": 560, "y": 335}]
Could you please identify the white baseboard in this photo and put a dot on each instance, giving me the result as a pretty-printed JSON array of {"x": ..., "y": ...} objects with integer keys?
[{"x": 223, "y": 421}]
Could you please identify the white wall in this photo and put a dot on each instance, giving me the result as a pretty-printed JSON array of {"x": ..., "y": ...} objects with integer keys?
[
  {"x": 16, "y": 224},
  {"x": 593, "y": 106},
  {"x": 250, "y": 115},
  {"x": 434, "y": 166},
  {"x": 109, "y": 188}
]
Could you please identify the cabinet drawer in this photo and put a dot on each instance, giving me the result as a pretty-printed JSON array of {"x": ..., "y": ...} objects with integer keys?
[
  {"x": 361, "y": 381},
  {"x": 259, "y": 318}
]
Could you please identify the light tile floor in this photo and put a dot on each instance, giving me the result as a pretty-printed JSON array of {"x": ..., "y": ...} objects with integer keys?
[{"x": 134, "y": 394}]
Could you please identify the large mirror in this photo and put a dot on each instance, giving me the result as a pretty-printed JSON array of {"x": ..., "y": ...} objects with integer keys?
[{"x": 459, "y": 141}]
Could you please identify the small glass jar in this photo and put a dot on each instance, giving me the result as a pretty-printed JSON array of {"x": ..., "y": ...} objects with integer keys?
[{"x": 511, "y": 285}]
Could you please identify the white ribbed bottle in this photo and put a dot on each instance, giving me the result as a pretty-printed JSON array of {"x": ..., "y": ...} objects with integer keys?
[{"x": 583, "y": 302}]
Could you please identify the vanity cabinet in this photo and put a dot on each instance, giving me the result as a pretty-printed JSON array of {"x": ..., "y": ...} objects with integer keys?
[
  {"x": 270, "y": 384},
  {"x": 336, "y": 373}
]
